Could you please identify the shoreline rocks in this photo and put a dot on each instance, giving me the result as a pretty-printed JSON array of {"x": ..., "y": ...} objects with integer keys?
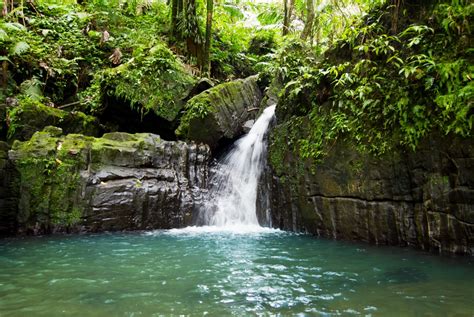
[{"x": 121, "y": 181}]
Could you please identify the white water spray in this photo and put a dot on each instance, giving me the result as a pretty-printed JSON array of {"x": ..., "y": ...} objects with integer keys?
[{"x": 233, "y": 195}]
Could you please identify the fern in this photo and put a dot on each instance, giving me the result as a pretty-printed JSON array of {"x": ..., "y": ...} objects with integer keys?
[
  {"x": 19, "y": 48},
  {"x": 3, "y": 35},
  {"x": 13, "y": 26},
  {"x": 234, "y": 12},
  {"x": 4, "y": 58},
  {"x": 32, "y": 88}
]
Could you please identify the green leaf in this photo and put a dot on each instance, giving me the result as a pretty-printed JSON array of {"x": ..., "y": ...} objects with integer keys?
[
  {"x": 32, "y": 88},
  {"x": 233, "y": 11},
  {"x": 14, "y": 26},
  {"x": 19, "y": 48},
  {"x": 3, "y": 35},
  {"x": 4, "y": 58}
]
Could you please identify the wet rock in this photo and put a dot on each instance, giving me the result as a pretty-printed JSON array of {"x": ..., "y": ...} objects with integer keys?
[
  {"x": 118, "y": 182},
  {"x": 423, "y": 199},
  {"x": 8, "y": 202},
  {"x": 247, "y": 126},
  {"x": 219, "y": 112},
  {"x": 29, "y": 116},
  {"x": 203, "y": 84}
]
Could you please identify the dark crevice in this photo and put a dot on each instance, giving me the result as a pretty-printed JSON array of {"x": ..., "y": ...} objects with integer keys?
[
  {"x": 119, "y": 115},
  {"x": 223, "y": 147}
]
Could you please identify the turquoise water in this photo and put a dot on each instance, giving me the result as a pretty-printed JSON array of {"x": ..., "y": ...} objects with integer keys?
[{"x": 183, "y": 272}]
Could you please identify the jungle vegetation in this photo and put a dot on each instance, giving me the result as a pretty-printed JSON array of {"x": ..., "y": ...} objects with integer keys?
[{"x": 382, "y": 73}]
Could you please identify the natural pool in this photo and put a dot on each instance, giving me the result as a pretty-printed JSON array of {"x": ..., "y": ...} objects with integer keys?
[{"x": 199, "y": 271}]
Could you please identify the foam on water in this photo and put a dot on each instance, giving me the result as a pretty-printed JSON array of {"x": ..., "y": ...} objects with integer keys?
[{"x": 231, "y": 229}]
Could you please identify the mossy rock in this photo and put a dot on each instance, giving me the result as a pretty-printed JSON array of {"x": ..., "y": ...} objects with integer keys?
[
  {"x": 30, "y": 116},
  {"x": 50, "y": 167},
  {"x": 155, "y": 80},
  {"x": 220, "y": 112}
]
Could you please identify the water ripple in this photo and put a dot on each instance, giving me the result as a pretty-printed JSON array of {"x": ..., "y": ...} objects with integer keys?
[{"x": 220, "y": 273}]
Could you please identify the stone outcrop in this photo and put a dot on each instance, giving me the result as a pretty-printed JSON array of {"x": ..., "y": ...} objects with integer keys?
[
  {"x": 220, "y": 112},
  {"x": 423, "y": 199},
  {"x": 8, "y": 202},
  {"x": 121, "y": 181},
  {"x": 28, "y": 116}
]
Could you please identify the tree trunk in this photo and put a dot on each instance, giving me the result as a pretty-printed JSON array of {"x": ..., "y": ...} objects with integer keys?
[
  {"x": 179, "y": 7},
  {"x": 308, "y": 26},
  {"x": 193, "y": 34},
  {"x": 206, "y": 67},
  {"x": 288, "y": 12},
  {"x": 395, "y": 15},
  {"x": 174, "y": 16},
  {"x": 179, "y": 15},
  {"x": 4, "y": 75},
  {"x": 5, "y": 8}
]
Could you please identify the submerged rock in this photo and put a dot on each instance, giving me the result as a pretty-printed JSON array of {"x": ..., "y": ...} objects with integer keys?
[
  {"x": 118, "y": 182},
  {"x": 220, "y": 112},
  {"x": 404, "y": 275}
]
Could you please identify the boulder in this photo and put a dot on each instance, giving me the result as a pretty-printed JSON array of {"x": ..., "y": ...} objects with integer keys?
[
  {"x": 220, "y": 112},
  {"x": 121, "y": 181},
  {"x": 29, "y": 116}
]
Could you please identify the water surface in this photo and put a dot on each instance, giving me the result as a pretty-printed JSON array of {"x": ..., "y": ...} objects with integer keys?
[{"x": 220, "y": 273}]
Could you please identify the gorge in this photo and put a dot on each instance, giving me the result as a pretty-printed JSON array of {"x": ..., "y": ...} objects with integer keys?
[{"x": 249, "y": 158}]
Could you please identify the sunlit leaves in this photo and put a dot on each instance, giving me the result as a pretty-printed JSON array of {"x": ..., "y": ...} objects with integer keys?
[
  {"x": 19, "y": 48},
  {"x": 392, "y": 89}
]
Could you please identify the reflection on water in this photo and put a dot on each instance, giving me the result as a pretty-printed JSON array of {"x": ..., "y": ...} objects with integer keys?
[{"x": 200, "y": 271}]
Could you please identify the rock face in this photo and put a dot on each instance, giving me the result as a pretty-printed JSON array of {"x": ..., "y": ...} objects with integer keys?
[
  {"x": 118, "y": 182},
  {"x": 8, "y": 202},
  {"x": 220, "y": 112},
  {"x": 423, "y": 199},
  {"x": 29, "y": 116}
]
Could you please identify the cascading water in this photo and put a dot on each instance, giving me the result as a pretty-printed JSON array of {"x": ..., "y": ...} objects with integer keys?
[{"x": 232, "y": 198}]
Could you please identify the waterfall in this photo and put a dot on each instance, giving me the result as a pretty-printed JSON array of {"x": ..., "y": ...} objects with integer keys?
[{"x": 233, "y": 194}]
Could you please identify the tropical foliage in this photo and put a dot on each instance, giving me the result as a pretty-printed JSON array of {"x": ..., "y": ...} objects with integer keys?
[
  {"x": 379, "y": 73},
  {"x": 380, "y": 88}
]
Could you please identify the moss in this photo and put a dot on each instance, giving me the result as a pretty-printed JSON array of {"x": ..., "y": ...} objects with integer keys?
[
  {"x": 49, "y": 180},
  {"x": 153, "y": 80},
  {"x": 203, "y": 121},
  {"x": 284, "y": 145},
  {"x": 31, "y": 116},
  {"x": 50, "y": 165},
  {"x": 196, "y": 120}
]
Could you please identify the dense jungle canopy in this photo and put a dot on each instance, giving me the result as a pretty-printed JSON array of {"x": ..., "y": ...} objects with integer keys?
[{"x": 380, "y": 73}]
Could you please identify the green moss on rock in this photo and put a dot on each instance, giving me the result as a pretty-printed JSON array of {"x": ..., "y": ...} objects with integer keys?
[
  {"x": 30, "y": 116},
  {"x": 50, "y": 167},
  {"x": 153, "y": 80},
  {"x": 220, "y": 111}
]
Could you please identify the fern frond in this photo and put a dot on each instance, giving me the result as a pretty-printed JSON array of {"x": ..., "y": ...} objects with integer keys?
[
  {"x": 32, "y": 88},
  {"x": 13, "y": 26},
  {"x": 3, "y": 35},
  {"x": 19, "y": 48},
  {"x": 4, "y": 58}
]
